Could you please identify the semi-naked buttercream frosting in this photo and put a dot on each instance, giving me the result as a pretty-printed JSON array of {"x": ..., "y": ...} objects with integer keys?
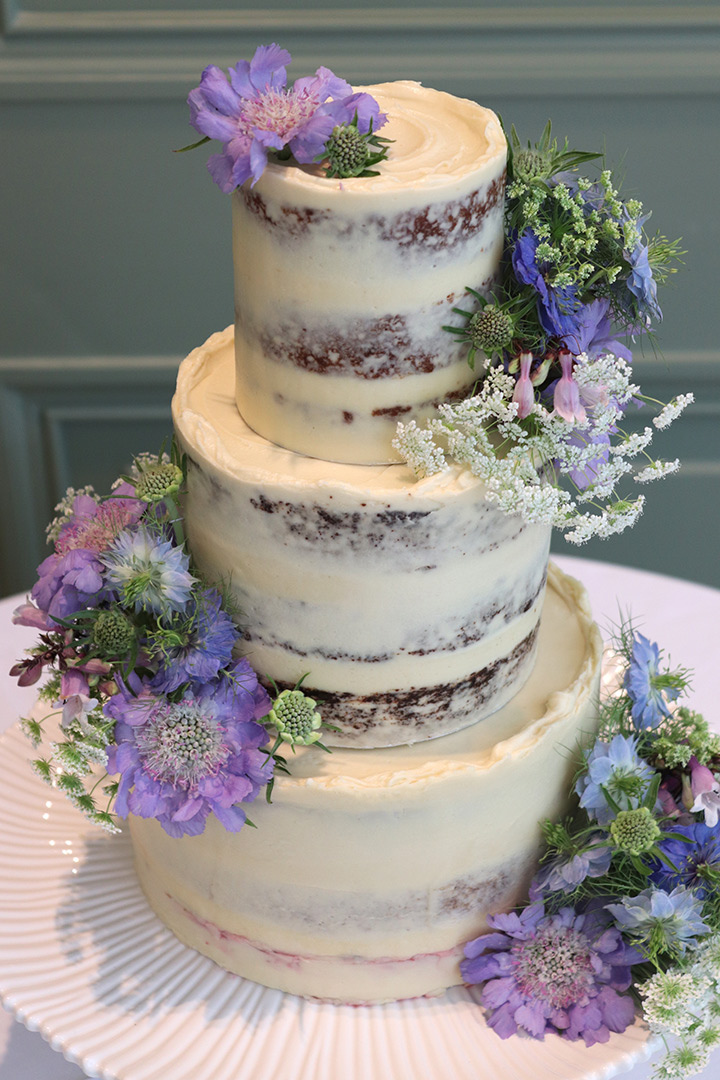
[
  {"x": 370, "y": 868},
  {"x": 342, "y": 287},
  {"x": 411, "y": 607}
]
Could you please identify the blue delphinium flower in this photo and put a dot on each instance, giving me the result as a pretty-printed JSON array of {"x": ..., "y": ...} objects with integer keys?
[
  {"x": 255, "y": 113},
  {"x": 661, "y": 922},
  {"x": 641, "y": 683},
  {"x": 697, "y": 859},
  {"x": 180, "y": 761},
  {"x": 562, "y": 973},
  {"x": 208, "y": 637},
  {"x": 617, "y": 768},
  {"x": 148, "y": 572},
  {"x": 557, "y": 308}
]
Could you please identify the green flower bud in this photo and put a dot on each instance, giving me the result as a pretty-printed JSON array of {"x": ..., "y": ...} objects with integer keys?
[
  {"x": 490, "y": 329},
  {"x": 157, "y": 482},
  {"x": 293, "y": 714},
  {"x": 531, "y": 165},
  {"x": 113, "y": 633},
  {"x": 346, "y": 151},
  {"x": 635, "y": 831}
]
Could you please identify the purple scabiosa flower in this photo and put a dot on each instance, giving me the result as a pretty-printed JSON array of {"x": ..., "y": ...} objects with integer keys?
[
  {"x": 562, "y": 973},
  {"x": 72, "y": 577},
  {"x": 565, "y": 873},
  {"x": 524, "y": 393},
  {"x": 148, "y": 572},
  {"x": 180, "y": 761},
  {"x": 566, "y": 397},
  {"x": 557, "y": 308},
  {"x": 205, "y": 644},
  {"x": 641, "y": 683},
  {"x": 658, "y": 921},
  {"x": 642, "y": 284},
  {"x": 697, "y": 859},
  {"x": 255, "y": 112},
  {"x": 615, "y": 768}
]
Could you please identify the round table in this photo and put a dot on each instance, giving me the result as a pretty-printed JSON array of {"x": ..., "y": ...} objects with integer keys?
[{"x": 681, "y": 616}]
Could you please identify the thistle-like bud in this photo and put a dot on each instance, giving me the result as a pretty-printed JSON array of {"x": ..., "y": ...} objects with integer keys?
[
  {"x": 346, "y": 151},
  {"x": 491, "y": 329},
  {"x": 113, "y": 633},
  {"x": 293, "y": 714},
  {"x": 157, "y": 482},
  {"x": 531, "y": 165},
  {"x": 635, "y": 831}
]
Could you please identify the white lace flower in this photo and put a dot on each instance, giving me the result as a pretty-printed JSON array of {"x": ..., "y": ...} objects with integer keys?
[{"x": 672, "y": 410}]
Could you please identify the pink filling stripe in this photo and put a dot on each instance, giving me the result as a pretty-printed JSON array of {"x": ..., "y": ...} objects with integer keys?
[{"x": 297, "y": 960}]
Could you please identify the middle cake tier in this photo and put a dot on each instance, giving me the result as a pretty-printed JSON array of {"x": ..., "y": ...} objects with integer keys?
[{"x": 410, "y": 606}]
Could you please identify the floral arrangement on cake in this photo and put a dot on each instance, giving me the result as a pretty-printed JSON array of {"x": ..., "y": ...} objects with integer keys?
[
  {"x": 318, "y": 119},
  {"x": 546, "y": 428},
  {"x": 142, "y": 666},
  {"x": 626, "y": 904}
]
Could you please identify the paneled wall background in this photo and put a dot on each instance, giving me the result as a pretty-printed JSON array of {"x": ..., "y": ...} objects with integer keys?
[{"x": 115, "y": 253}]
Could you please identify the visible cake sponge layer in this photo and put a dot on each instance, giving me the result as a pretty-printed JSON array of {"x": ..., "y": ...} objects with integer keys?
[
  {"x": 411, "y": 606},
  {"x": 371, "y": 868}
]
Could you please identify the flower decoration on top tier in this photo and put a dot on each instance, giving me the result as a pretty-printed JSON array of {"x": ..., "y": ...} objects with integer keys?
[
  {"x": 551, "y": 428},
  {"x": 141, "y": 667},
  {"x": 256, "y": 115},
  {"x": 626, "y": 904}
]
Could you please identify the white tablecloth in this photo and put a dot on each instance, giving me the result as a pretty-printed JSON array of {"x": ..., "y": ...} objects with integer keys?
[{"x": 682, "y": 617}]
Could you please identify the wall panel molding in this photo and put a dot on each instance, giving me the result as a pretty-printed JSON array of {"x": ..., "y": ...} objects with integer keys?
[
  {"x": 67, "y": 423},
  {"x": 53, "y": 52}
]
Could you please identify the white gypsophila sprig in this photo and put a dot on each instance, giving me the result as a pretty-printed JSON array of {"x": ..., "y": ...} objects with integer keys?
[{"x": 672, "y": 410}]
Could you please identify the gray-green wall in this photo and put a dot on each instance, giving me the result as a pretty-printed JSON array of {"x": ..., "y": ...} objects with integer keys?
[{"x": 115, "y": 253}]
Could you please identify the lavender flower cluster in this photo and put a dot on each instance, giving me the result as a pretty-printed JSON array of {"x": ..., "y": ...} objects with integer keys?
[
  {"x": 140, "y": 661},
  {"x": 628, "y": 892}
]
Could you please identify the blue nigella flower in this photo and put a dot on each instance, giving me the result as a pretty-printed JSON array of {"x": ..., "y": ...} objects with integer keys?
[
  {"x": 565, "y": 872},
  {"x": 206, "y": 650},
  {"x": 665, "y": 921},
  {"x": 642, "y": 284},
  {"x": 649, "y": 700},
  {"x": 693, "y": 857},
  {"x": 617, "y": 768},
  {"x": 148, "y": 572}
]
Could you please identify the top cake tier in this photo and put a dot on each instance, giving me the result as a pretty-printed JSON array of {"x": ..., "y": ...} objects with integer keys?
[{"x": 342, "y": 287}]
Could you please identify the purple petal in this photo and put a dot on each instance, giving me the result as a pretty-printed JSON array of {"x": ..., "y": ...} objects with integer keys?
[
  {"x": 232, "y": 817},
  {"x": 214, "y": 105}
]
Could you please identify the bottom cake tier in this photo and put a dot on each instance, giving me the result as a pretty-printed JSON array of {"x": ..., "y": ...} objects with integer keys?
[{"x": 371, "y": 868}]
